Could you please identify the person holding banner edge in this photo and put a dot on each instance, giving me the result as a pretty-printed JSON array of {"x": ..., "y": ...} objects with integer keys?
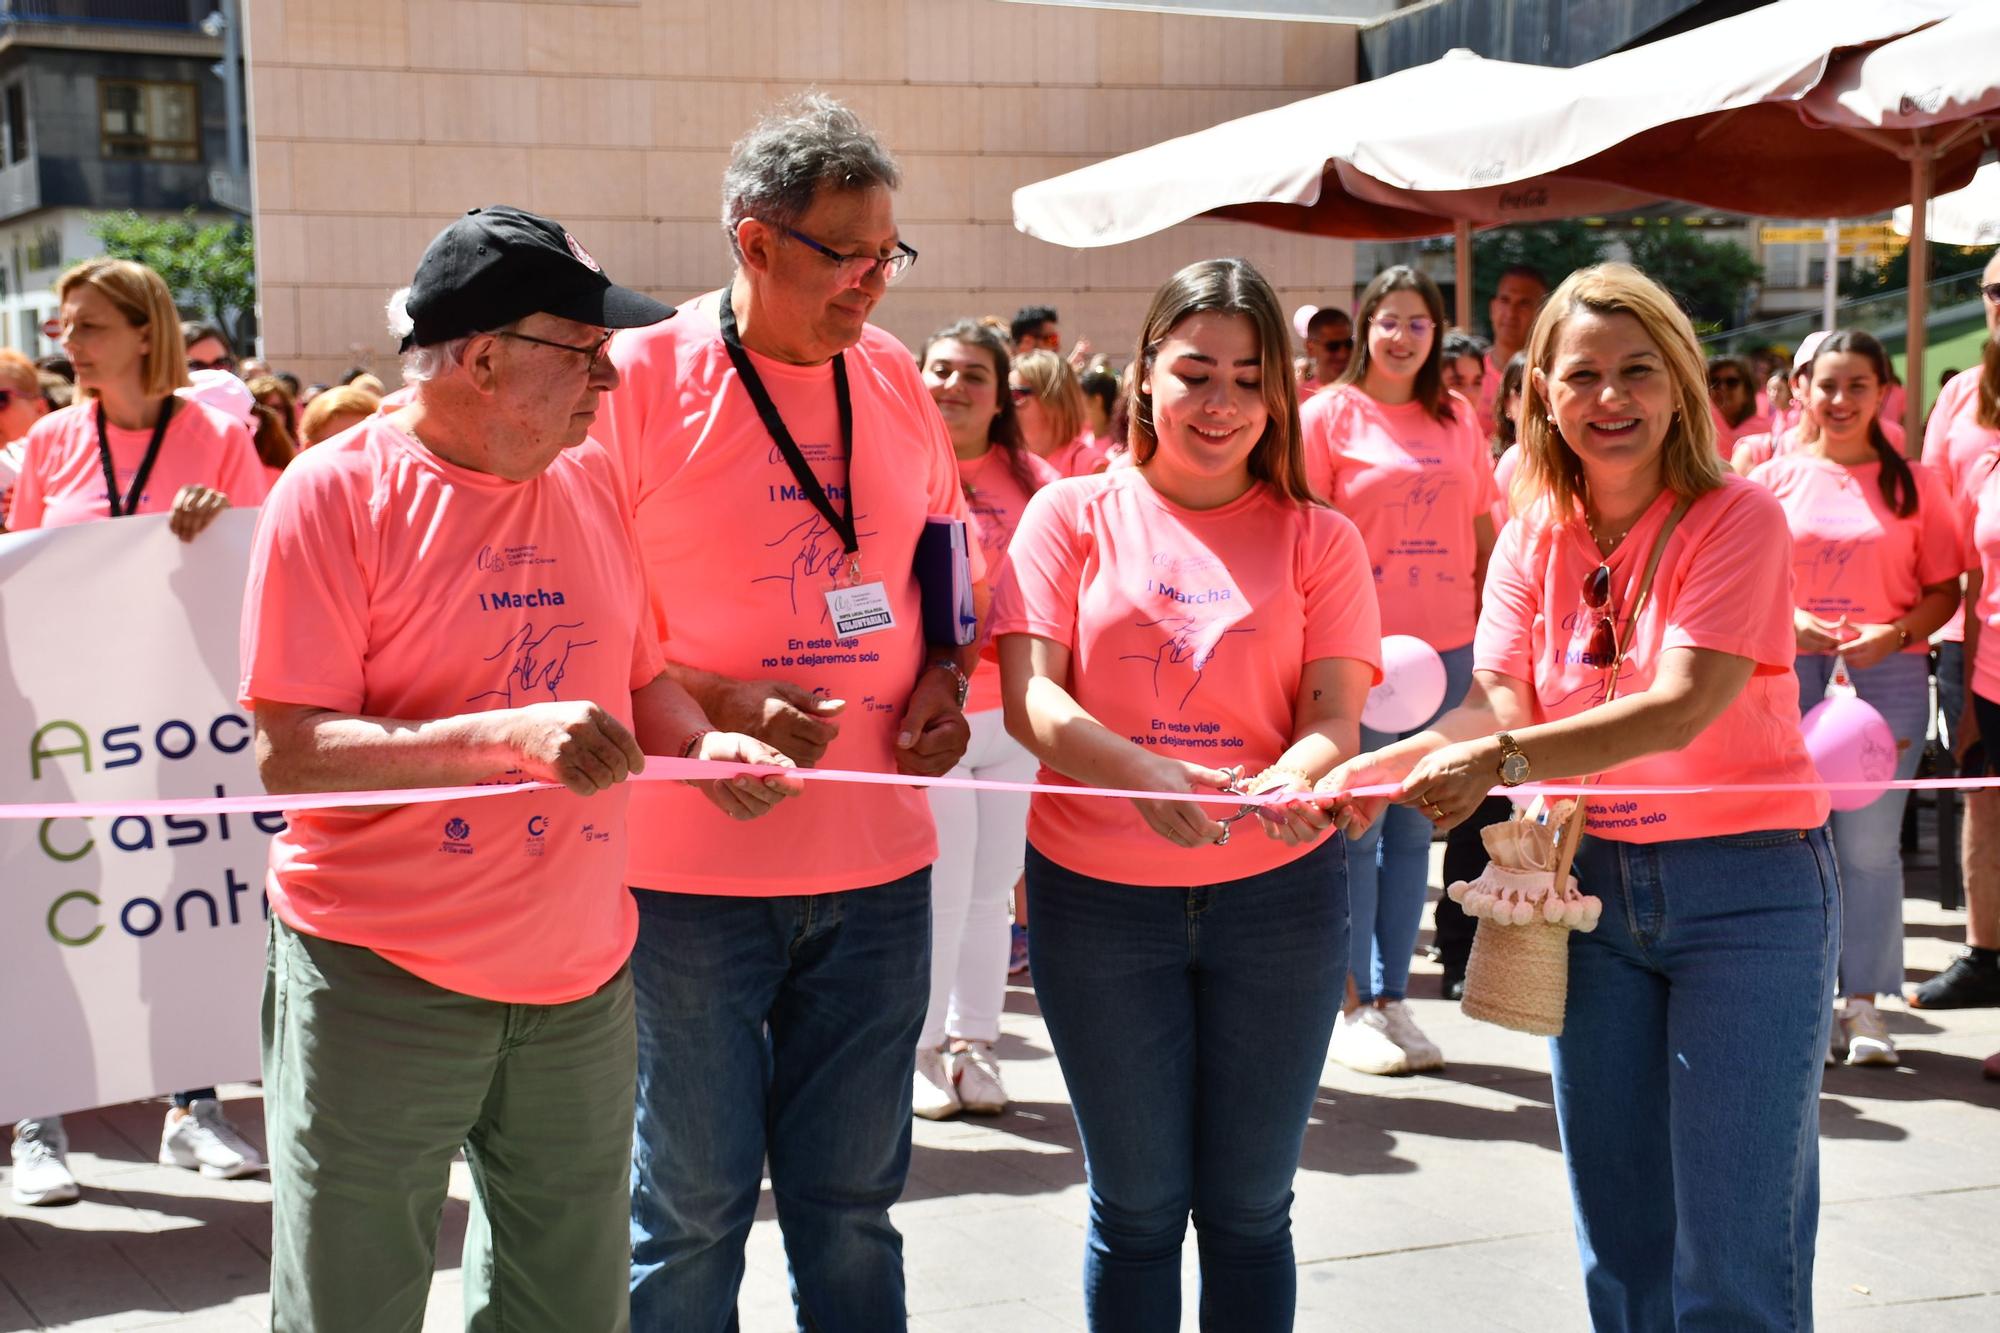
[
  {"x": 1687, "y": 1074},
  {"x": 131, "y": 445},
  {"x": 445, "y": 595}
]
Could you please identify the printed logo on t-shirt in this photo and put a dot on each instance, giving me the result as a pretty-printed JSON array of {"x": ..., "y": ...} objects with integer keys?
[
  {"x": 457, "y": 837},
  {"x": 1187, "y": 646},
  {"x": 499, "y": 559},
  {"x": 536, "y": 844}
]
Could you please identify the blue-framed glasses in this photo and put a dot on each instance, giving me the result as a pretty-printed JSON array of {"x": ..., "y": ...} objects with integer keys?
[{"x": 853, "y": 270}]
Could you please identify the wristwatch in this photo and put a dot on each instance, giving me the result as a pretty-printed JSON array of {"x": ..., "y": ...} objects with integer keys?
[
  {"x": 1513, "y": 763},
  {"x": 957, "y": 672}
]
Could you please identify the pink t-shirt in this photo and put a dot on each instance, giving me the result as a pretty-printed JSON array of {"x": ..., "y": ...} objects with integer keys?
[
  {"x": 1079, "y": 458},
  {"x": 1413, "y": 485},
  {"x": 1727, "y": 436},
  {"x": 997, "y": 499},
  {"x": 1487, "y": 409},
  {"x": 1980, "y": 510},
  {"x": 1188, "y": 632},
  {"x": 1953, "y": 441},
  {"x": 11, "y": 455},
  {"x": 62, "y": 476},
  {"x": 740, "y": 562},
  {"x": 1724, "y": 583},
  {"x": 387, "y": 582},
  {"x": 1504, "y": 469},
  {"x": 1852, "y": 556}
]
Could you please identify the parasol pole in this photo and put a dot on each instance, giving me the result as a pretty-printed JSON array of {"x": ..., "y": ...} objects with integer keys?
[
  {"x": 1461, "y": 246},
  {"x": 1923, "y": 175}
]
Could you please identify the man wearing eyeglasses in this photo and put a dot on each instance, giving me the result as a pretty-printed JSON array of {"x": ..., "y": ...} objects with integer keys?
[
  {"x": 451, "y": 595},
  {"x": 208, "y": 348},
  {"x": 1330, "y": 343},
  {"x": 783, "y": 455}
]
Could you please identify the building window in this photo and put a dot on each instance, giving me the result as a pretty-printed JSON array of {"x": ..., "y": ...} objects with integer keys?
[
  {"x": 158, "y": 122},
  {"x": 17, "y": 122}
]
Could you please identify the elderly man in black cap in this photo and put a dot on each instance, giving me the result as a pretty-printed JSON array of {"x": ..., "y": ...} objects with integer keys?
[{"x": 452, "y": 596}]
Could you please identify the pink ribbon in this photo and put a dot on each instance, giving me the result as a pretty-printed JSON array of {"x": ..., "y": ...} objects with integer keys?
[{"x": 660, "y": 769}]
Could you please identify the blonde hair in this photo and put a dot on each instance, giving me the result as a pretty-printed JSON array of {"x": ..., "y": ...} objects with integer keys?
[
  {"x": 19, "y": 374},
  {"x": 1550, "y": 470},
  {"x": 142, "y": 296},
  {"x": 1057, "y": 389},
  {"x": 1230, "y": 286},
  {"x": 340, "y": 401}
]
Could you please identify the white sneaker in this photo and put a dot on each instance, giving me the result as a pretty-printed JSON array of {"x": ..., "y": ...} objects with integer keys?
[
  {"x": 931, "y": 1093},
  {"x": 1403, "y": 1030},
  {"x": 1836, "y": 1044},
  {"x": 41, "y": 1167},
  {"x": 1361, "y": 1041},
  {"x": 976, "y": 1074},
  {"x": 203, "y": 1140},
  {"x": 1867, "y": 1039}
]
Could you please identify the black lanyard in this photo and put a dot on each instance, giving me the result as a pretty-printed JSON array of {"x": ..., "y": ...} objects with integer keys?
[
  {"x": 841, "y": 523},
  {"x": 145, "y": 471}
]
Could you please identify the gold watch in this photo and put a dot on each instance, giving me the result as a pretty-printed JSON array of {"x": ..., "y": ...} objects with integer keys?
[{"x": 1513, "y": 763}]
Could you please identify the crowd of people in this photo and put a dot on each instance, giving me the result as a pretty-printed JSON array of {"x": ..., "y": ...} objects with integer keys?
[{"x": 626, "y": 1003}]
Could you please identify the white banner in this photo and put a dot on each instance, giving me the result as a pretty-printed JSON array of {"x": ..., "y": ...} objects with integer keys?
[{"x": 131, "y": 950}]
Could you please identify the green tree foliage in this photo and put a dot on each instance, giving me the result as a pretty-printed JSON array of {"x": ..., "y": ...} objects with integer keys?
[
  {"x": 1555, "y": 249},
  {"x": 1710, "y": 279},
  {"x": 1894, "y": 274},
  {"x": 211, "y": 267}
]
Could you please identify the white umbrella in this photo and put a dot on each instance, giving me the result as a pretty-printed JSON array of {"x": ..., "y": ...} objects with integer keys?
[
  {"x": 1928, "y": 99},
  {"x": 1290, "y": 168},
  {"x": 1964, "y": 217}
]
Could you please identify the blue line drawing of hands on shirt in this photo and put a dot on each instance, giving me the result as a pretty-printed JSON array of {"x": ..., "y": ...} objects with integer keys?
[
  {"x": 540, "y": 661},
  {"x": 818, "y": 554},
  {"x": 1420, "y": 501},
  {"x": 1189, "y": 646}
]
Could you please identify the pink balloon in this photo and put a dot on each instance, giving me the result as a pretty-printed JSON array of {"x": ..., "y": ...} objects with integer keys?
[
  {"x": 1849, "y": 742},
  {"x": 1412, "y": 688},
  {"x": 1302, "y": 317}
]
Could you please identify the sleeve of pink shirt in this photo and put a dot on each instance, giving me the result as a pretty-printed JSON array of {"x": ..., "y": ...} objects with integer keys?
[
  {"x": 1505, "y": 639},
  {"x": 1937, "y": 431},
  {"x": 1343, "y": 617},
  {"x": 26, "y": 510},
  {"x": 1940, "y": 543},
  {"x": 1730, "y": 589},
  {"x": 305, "y": 608},
  {"x": 1316, "y": 432},
  {"x": 239, "y": 472},
  {"x": 1044, "y": 567}
]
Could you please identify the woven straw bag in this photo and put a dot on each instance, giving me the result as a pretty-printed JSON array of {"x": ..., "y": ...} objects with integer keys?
[{"x": 1518, "y": 974}]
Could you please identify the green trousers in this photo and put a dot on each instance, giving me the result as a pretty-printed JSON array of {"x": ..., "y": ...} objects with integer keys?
[{"x": 374, "y": 1078}]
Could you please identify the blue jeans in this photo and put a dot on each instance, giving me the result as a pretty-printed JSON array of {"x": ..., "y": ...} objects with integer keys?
[
  {"x": 1191, "y": 1025},
  {"x": 1389, "y": 868},
  {"x": 1687, "y": 1078},
  {"x": 787, "y": 1028},
  {"x": 1869, "y": 842}
]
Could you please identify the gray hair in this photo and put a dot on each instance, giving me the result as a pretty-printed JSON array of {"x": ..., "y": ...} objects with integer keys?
[
  {"x": 777, "y": 169},
  {"x": 423, "y": 364}
]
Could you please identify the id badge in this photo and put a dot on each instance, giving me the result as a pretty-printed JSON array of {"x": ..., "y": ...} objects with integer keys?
[{"x": 860, "y": 607}]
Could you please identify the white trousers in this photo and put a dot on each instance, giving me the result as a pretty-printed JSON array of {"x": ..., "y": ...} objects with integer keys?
[{"x": 982, "y": 841}]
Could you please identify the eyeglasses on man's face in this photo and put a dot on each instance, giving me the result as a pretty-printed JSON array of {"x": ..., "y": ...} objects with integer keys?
[
  {"x": 217, "y": 363},
  {"x": 588, "y": 351},
  {"x": 853, "y": 270}
]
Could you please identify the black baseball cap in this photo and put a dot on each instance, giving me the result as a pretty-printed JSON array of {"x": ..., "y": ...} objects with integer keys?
[{"x": 497, "y": 264}]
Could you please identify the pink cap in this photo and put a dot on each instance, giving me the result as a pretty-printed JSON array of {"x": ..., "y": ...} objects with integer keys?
[
  {"x": 225, "y": 393},
  {"x": 1803, "y": 357}
]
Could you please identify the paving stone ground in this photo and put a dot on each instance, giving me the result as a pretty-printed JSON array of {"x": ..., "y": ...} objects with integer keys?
[{"x": 1428, "y": 1203}]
